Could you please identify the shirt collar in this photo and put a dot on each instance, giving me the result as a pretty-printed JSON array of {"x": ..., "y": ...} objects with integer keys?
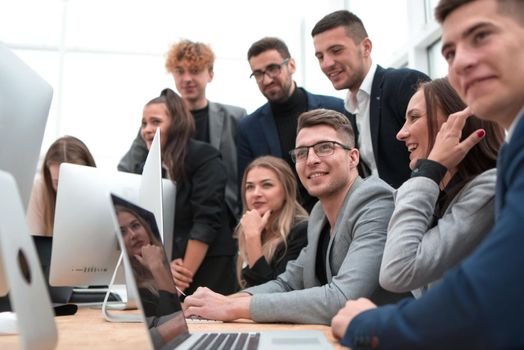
[
  {"x": 364, "y": 87},
  {"x": 514, "y": 124}
]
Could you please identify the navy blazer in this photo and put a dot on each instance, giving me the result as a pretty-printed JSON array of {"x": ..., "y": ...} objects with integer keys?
[
  {"x": 391, "y": 91},
  {"x": 479, "y": 304},
  {"x": 258, "y": 135}
]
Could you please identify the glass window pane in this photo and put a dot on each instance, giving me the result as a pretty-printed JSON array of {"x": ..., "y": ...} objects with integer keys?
[{"x": 438, "y": 67}]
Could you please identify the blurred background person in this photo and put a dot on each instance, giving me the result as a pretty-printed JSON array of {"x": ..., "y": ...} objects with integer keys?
[{"x": 41, "y": 208}]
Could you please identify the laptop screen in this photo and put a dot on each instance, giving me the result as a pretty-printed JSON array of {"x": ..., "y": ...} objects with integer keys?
[{"x": 145, "y": 256}]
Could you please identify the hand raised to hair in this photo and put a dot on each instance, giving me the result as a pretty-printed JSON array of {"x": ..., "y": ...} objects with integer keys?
[{"x": 448, "y": 150}]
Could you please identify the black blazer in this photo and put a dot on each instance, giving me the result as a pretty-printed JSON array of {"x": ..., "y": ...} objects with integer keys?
[
  {"x": 200, "y": 210},
  {"x": 390, "y": 94}
]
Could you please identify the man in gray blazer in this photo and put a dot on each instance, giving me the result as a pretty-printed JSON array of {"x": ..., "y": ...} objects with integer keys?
[
  {"x": 346, "y": 236},
  {"x": 191, "y": 64}
]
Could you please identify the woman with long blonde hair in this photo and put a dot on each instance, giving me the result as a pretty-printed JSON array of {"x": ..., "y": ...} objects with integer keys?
[{"x": 273, "y": 227}]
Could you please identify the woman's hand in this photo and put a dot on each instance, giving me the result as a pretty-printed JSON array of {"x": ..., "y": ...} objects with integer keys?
[
  {"x": 181, "y": 275},
  {"x": 151, "y": 257},
  {"x": 253, "y": 224},
  {"x": 252, "y": 227},
  {"x": 448, "y": 150}
]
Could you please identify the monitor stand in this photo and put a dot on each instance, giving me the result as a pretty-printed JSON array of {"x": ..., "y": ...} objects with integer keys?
[{"x": 131, "y": 300}]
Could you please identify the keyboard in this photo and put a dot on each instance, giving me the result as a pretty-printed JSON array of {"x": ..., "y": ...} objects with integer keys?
[{"x": 234, "y": 341}]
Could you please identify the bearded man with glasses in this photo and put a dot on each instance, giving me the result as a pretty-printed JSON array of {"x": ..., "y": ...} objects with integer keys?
[
  {"x": 346, "y": 236},
  {"x": 271, "y": 129}
]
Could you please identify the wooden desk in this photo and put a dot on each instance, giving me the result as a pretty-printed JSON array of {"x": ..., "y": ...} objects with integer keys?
[{"x": 88, "y": 330}]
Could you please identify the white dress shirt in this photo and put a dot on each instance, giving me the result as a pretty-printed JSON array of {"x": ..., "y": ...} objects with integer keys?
[{"x": 359, "y": 106}]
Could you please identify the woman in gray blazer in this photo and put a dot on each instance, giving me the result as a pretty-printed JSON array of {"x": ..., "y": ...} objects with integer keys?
[{"x": 440, "y": 215}]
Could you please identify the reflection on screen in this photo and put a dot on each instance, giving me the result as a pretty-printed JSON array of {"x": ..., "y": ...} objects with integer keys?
[{"x": 150, "y": 267}]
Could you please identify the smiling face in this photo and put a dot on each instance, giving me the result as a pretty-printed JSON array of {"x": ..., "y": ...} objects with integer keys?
[
  {"x": 330, "y": 175},
  {"x": 414, "y": 132},
  {"x": 484, "y": 50},
  {"x": 280, "y": 87},
  {"x": 264, "y": 191},
  {"x": 155, "y": 116},
  {"x": 341, "y": 60},
  {"x": 134, "y": 233}
]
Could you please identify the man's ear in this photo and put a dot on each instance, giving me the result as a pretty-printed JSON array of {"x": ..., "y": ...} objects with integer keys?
[
  {"x": 211, "y": 75},
  {"x": 354, "y": 156},
  {"x": 292, "y": 65},
  {"x": 367, "y": 46}
]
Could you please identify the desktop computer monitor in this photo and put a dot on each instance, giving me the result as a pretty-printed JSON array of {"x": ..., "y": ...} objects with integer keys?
[
  {"x": 25, "y": 99},
  {"x": 85, "y": 248}
]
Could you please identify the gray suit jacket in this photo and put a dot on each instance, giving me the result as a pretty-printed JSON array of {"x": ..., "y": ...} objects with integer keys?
[
  {"x": 355, "y": 251},
  {"x": 414, "y": 255},
  {"x": 223, "y": 121}
]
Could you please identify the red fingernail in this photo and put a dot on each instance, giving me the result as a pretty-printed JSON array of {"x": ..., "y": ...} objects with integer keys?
[{"x": 481, "y": 133}]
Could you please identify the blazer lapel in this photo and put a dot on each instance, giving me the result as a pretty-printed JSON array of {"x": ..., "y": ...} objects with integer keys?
[
  {"x": 269, "y": 128},
  {"x": 500, "y": 188},
  {"x": 375, "y": 106},
  {"x": 333, "y": 248},
  {"x": 315, "y": 224},
  {"x": 216, "y": 124}
]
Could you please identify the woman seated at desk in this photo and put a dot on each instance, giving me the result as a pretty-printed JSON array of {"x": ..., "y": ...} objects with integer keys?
[
  {"x": 41, "y": 209},
  {"x": 273, "y": 228},
  {"x": 441, "y": 214}
]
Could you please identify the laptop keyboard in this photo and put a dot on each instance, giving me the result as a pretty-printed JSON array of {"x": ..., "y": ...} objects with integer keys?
[{"x": 235, "y": 341}]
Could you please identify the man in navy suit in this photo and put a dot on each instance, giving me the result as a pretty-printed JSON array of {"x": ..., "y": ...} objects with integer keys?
[
  {"x": 479, "y": 304},
  {"x": 272, "y": 128},
  {"x": 377, "y": 98}
]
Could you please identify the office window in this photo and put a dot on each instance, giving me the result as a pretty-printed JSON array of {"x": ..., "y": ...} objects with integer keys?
[{"x": 438, "y": 67}]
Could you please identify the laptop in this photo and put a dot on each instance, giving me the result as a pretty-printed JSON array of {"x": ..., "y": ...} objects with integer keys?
[
  {"x": 20, "y": 272},
  {"x": 158, "y": 302}
]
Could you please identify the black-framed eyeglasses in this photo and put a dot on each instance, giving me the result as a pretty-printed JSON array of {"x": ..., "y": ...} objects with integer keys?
[
  {"x": 321, "y": 149},
  {"x": 272, "y": 70}
]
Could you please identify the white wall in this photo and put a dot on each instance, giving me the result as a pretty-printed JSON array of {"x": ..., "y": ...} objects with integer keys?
[{"x": 105, "y": 58}]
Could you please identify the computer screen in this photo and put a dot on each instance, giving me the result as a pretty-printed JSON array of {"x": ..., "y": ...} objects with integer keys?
[
  {"x": 85, "y": 247},
  {"x": 25, "y": 99}
]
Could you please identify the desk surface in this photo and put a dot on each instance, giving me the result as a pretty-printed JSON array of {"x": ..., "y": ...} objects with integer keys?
[{"x": 88, "y": 330}]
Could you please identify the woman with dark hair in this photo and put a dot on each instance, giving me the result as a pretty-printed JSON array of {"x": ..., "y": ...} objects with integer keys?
[
  {"x": 273, "y": 227},
  {"x": 203, "y": 246},
  {"x": 41, "y": 209},
  {"x": 441, "y": 215}
]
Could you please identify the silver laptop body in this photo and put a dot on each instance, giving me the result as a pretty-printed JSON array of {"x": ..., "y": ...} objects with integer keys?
[{"x": 161, "y": 310}]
